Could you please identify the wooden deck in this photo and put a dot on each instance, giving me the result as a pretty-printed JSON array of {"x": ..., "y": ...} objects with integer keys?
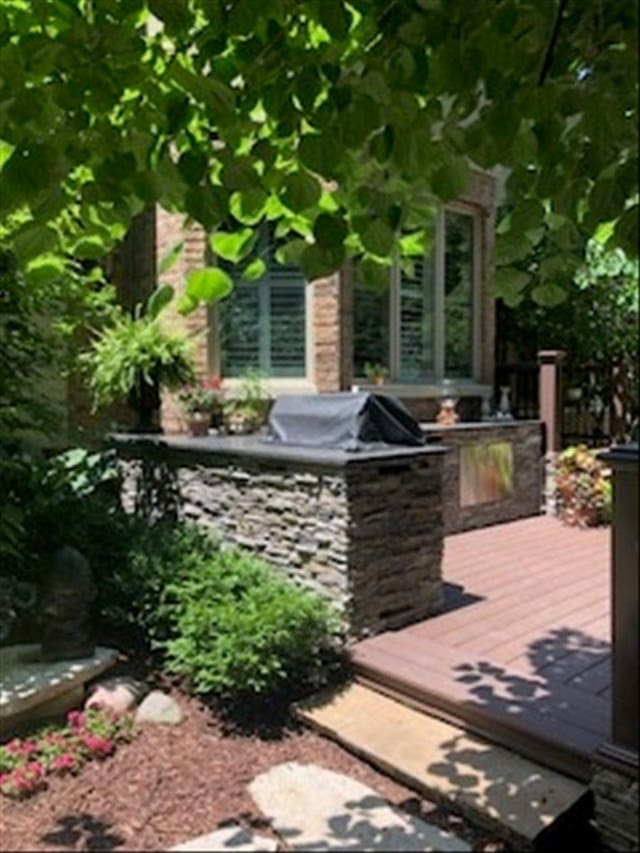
[{"x": 521, "y": 652}]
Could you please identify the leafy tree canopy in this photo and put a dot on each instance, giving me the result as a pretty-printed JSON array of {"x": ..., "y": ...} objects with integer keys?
[{"x": 342, "y": 121}]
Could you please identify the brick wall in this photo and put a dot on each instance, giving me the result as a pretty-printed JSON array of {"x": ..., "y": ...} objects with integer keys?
[
  {"x": 170, "y": 229},
  {"x": 332, "y": 330}
]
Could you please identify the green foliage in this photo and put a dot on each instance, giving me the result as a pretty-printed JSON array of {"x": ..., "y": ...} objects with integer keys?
[
  {"x": 583, "y": 488},
  {"x": 598, "y": 322},
  {"x": 239, "y": 631},
  {"x": 235, "y": 117},
  {"x": 203, "y": 398},
  {"x": 132, "y": 352}
]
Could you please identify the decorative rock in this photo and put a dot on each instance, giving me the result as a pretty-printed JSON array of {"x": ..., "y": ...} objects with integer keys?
[
  {"x": 118, "y": 695},
  {"x": 229, "y": 838},
  {"x": 159, "y": 708},
  {"x": 28, "y": 681},
  {"x": 316, "y": 809}
]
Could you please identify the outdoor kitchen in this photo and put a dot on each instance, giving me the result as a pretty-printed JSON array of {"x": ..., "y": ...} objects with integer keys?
[{"x": 345, "y": 494}]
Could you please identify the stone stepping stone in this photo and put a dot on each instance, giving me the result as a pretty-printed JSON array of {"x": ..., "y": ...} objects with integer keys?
[
  {"x": 312, "y": 808},
  {"x": 492, "y": 785},
  {"x": 230, "y": 838}
]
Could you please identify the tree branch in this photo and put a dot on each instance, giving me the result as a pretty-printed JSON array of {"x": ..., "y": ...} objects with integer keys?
[{"x": 548, "y": 57}]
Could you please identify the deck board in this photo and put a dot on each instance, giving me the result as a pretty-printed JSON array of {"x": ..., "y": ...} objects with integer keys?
[{"x": 523, "y": 643}]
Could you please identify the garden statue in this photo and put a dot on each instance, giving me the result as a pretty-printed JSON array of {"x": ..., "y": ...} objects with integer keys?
[{"x": 67, "y": 601}]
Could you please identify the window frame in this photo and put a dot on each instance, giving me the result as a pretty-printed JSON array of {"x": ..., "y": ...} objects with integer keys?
[
  {"x": 435, "y": 381},
  {"x": 274, "y": 384}
]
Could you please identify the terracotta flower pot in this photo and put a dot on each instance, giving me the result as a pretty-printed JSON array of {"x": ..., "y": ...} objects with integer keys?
[{"x": 199, "y": 423}]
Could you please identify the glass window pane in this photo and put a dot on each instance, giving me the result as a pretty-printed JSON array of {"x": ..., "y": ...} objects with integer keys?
[
  {"x": 371, "y": 328},
  {"x": 240, "y": 330},
  {"x": 458, "y": 294},
  {"x": 417, "y": 322},
  {"x": 263, "y": 323}
]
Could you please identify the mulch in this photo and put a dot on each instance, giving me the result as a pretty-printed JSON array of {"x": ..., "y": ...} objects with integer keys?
[{"x": 174, "y": 783}]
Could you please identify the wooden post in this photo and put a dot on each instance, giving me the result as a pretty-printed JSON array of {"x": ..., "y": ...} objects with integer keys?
[
  {"x": 614, "y": 780},
  {"x": 550, "y": 385},
  {"x": 624, "y": 591},
  {"x": 550, "y": 402}
]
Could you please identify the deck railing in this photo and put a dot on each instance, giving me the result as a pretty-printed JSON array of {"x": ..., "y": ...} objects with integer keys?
[{"x": 595, "y": 404}]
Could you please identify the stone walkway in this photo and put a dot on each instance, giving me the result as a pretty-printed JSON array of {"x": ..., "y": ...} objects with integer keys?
[
  {"x": 312, "y": 808},
  {"x": 492, "y": 785}
]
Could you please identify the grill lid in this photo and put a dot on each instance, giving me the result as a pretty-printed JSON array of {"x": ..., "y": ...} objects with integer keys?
[{"x": 347, "y": 421}]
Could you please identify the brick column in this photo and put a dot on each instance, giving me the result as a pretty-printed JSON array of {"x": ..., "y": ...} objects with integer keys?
[
  {"x": 550, "y": 396},
  {"x": 170, "y": 229},
  {"x": 615, "y": 777},
  {"x": 333, "y": 332}
]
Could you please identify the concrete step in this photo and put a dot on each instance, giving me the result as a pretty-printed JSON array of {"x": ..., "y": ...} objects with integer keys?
[{"x": 487, "y": 783}]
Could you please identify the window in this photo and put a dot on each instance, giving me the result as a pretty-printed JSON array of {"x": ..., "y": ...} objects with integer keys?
[
  {"x": 423, "y": 327},
  {"x": 262, "y": 325}
]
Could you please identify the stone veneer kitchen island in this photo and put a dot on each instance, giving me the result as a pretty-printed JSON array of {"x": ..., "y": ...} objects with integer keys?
[
  {"x": 492, "y": 474},
  {"x": 364, "y": 529}
]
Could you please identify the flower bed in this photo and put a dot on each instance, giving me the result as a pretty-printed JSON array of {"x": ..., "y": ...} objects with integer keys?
[
  {"x": 25, "y": 763},
  {"x": 583, "y": 488}
]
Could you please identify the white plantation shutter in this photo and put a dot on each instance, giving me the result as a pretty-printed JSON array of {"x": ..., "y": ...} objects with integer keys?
[
  {"x": 458, "y": 293},
  {"x": 416, "y": 321},
  {"x": 263, "y": 323},
  {"x": 423, "y": 329}
]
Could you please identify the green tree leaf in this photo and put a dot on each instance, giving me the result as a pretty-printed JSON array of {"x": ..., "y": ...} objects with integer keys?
[
  {"x": 377, "y": 237},
  {"x": 255, "y": 270},
  {"x": 210, "y": 284},
  {"x": 329, "y": 230},
  {"x": 159, "y": 300},
  {"x": 232, "y": 246},
  {"x": 170, "y": 258},
  {"x": 450, "y": 180},
  {"x": 301, "y": 191},
  {"x": 548, "y": 294}
]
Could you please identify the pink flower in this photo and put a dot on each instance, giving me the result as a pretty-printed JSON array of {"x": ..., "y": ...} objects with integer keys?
[
  {"x": 14, "y": 747},
  {"x": 34, "y": 768},
  {"x": 4, "y": 778},
  {"x": 29, "y": 747},
  {"x": 66, "y": 761},
  {"x": 76, "y": 719},
  {"x": 213, "y": 382},
  {"x": 55, "y": 739},
  {"x": 99, "y": 745}
]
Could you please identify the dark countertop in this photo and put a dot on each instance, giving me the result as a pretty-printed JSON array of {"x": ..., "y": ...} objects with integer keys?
[
  {"x": 475, "y": 425},
  {"x": 257, "y": 447}
]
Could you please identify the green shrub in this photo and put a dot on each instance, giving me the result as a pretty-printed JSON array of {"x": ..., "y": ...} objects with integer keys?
[
  {"x": 240, "y": 631},
  {"x": 583, "y": 487},
  {"x": 156, "y": 556}
]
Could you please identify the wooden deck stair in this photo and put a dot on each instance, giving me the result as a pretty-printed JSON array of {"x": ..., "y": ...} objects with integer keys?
[{"x": 548, "y": 721}]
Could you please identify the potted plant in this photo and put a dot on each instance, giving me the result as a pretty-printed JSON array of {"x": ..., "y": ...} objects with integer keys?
[
  {"x": 247, "y": 412},
  {"x": 375, "y": 373},
  {"x": 202, "y": 403},
  {"x": 134, "y": 358}
]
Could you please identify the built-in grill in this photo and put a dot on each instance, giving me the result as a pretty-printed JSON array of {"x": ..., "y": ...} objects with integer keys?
[{"x": 346, "y": 421}]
